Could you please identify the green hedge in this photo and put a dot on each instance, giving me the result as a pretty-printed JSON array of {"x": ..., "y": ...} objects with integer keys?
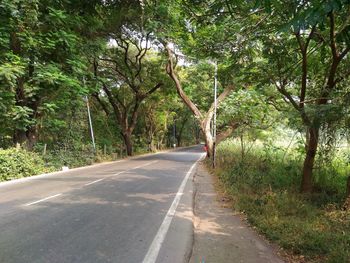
[{"x": 18, "y": 163}]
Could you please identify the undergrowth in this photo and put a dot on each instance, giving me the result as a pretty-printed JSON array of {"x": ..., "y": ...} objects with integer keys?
[
  {"x": 264, "y": 183},
  {"x": 17, "y": 162}
]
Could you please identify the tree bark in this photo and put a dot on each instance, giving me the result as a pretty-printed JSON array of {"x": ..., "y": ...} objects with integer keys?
[
  {"x": 128, "y": 142},
  {"x": 26, "y": 138},
  {"x": 311, "y": 150},
  {"x": 197, "y": 134},
  {"x": 209, "y": 140},
  {"x": 32, "y": 137},
  {"x": 19, "y": 137},
  {"x": 180, "y": 132},
  {"x": 226, "y": 133}
]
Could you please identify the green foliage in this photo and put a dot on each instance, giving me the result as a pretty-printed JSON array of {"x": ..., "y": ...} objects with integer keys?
[
  {"x": 40, "y": 60},
  {"x": 58, "y": 158},
  {"x": 18, "y": 163},
  {"x": 265, "y": 185}
]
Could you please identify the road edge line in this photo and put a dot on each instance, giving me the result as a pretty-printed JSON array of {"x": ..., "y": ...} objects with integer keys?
[{"x": 153, "y": 250}]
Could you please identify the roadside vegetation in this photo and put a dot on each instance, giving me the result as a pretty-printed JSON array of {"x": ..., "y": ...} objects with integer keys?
[
  {"x": 263, "y": 182},
  {"x": 145, "y": 71},
  {"x": 18, "y": 163}
]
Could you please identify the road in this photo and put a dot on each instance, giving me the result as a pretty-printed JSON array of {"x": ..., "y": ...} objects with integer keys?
[{"x": 136, "y": 210}]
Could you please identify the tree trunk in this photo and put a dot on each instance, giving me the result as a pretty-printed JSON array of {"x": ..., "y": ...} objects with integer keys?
[
  {"x": 203, "y": 119},
  {"x": 128, "y": 143},
  {"x": 180, "y": 132},
  {"x": 209, "y": 141},
  {"x": 26, "y": 138},
  {"x": 31, "y": 137},
  {"x": 19, "y": 137},
  {"x": 178, "y": 140},
  {"x": 151, "y": 145},
  {"x": 197, "y": 135},
  {"x": 311, "y": 149}
]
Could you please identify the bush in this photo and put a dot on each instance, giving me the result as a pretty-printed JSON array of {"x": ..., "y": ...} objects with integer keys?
[
  {"x": 72, "y": 159},
  {"x": 264, "y": 183},
  {"x": 18, "y": 163}
]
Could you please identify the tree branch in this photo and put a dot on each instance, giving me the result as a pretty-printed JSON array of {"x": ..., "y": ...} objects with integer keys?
[
  {"x": 152, "y": 90},
  {"x": 332, "y": 35},
  {"x": 173, "y": 76},
  {"x": 226, "y": 133},
  {"x": 287, "y": 95},
  {"x": 103, "y": 105}
]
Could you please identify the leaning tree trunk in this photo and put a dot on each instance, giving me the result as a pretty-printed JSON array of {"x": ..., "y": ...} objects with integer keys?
[
  {"x": 203, "y": 119},
  {"x": 311, "y": 149}
]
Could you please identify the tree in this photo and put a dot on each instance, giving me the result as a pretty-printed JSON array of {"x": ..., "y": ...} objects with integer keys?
[
  {"x": 303, "y": 47},
  {"x": 312, "y": 80},
  {"x": 180, "y": 23},
  {"x": 204, "y": 119},
  {"x": 40, "y": 60},
  {"x": 158, "y": 116},
  {"x": 127, "y": 74}
]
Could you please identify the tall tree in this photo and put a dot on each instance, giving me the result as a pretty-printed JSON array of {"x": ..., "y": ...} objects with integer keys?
[
  {"x": 313, "y": 36},
  {"x": 40, "y": 59},
  {"x": 300, "y": 47},
  {"x": 204, "y": 119},
  {"x": 128, "y": 75}
]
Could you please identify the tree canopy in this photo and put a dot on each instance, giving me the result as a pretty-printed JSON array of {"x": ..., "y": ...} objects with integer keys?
[{"x": 147, "y": 69}]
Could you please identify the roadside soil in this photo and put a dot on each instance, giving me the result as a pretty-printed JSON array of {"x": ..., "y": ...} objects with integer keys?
[{"x": 220, "y": 234}]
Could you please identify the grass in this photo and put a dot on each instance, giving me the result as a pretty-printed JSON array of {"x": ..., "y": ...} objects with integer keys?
[{"x": 265, "y": 185}]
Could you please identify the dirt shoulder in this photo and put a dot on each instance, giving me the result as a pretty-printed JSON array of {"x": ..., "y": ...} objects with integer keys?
[{"x": 220, "y": 235}]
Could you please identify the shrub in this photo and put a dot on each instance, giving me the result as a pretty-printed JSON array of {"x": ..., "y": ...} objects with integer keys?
[
  {"x": 18, "y": 163},
  {"x": 264, "y": 183},
  {"x": 58, "y": 158}
]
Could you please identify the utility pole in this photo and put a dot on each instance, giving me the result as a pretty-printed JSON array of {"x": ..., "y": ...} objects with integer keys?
[
  {"x": 90, "y": 120},
  {"x": 215, "y": 108},
  {"x": 90, "y": 124}
]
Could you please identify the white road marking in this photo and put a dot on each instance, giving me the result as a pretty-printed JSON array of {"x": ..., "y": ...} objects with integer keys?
[
  {"x": 140, "y": 166},
  {"x": 44, "y": 199},
  {"x": 99, "y": 180},
  {"x": 96, "y": 181},
  {"x": 158, "y": 240},
  {"x": 134, "y": 168}
]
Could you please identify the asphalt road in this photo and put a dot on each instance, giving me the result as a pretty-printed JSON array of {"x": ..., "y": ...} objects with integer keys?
[{"x": 136, "y": 210}]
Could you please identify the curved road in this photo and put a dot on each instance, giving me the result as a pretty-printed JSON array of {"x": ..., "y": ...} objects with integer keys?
[{"x": 129, "y": 211}]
